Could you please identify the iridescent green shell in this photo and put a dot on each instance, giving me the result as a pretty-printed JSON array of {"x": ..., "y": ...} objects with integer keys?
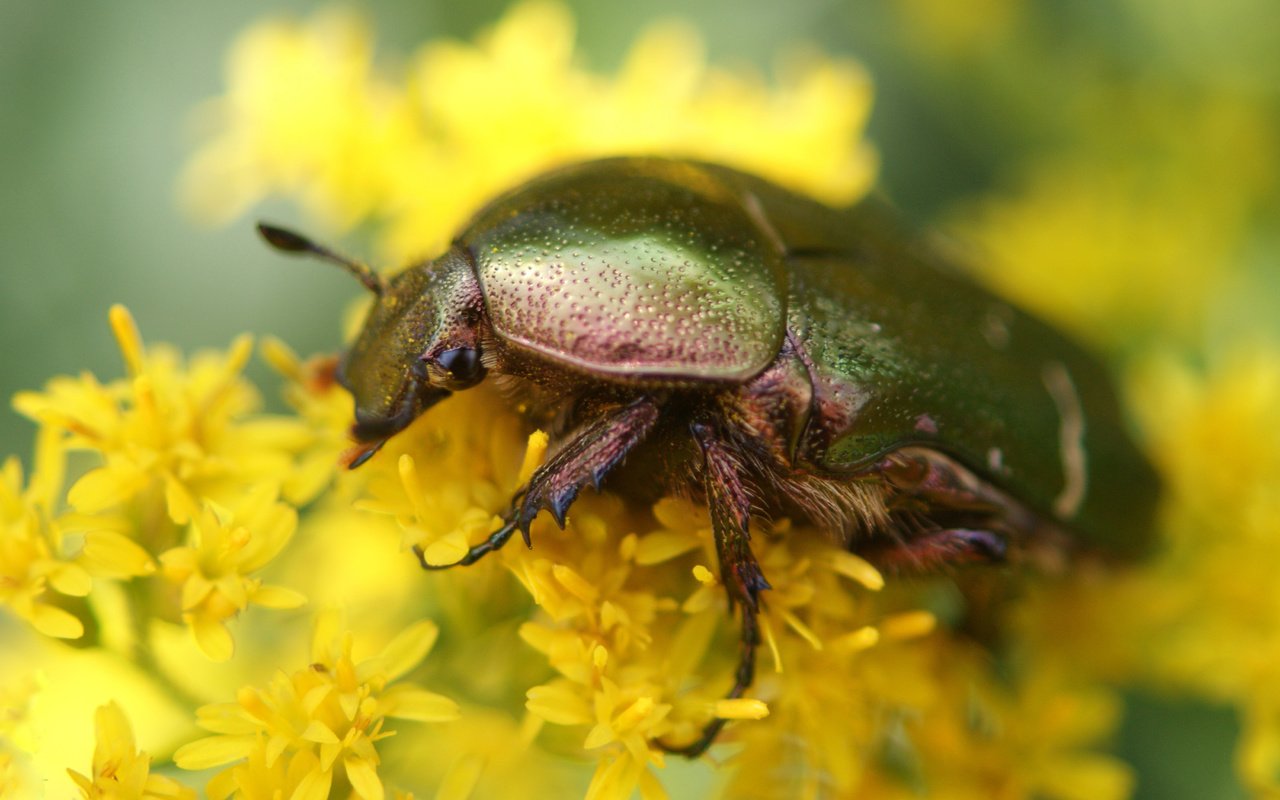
[{"x": 640, "y": 270}]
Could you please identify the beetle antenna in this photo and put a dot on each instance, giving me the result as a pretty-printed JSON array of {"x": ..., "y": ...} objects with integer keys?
[{"x": 289, "y": 242}]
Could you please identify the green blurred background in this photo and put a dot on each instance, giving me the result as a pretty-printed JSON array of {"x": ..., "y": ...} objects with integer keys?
[{"x": 96, "y": 123}]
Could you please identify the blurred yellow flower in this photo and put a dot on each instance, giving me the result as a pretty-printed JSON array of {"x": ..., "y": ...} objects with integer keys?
[
  {"x": 32, "y": 559},
  {"x": 120, "y": 770},
  {"x": 320, "y": 723},
  {"x": 306, "y": 114}
]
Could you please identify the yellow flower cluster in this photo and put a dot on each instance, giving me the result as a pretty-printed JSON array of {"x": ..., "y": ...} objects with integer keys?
[
  {"x": 315, "y": 729},
  {"x": 186, "y": 472},
  {"x": 307, "y": 115}
]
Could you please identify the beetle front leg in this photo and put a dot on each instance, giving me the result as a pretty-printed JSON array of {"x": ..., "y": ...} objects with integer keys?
[
  {"x": 730, "y": 507},
  {"x": 591, "y": 452}
]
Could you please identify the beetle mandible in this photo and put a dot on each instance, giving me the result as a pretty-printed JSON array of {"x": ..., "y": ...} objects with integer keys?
[{"x": 780, "y": 355}]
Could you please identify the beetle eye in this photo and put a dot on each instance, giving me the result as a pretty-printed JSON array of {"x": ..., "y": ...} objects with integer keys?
[{"x": 463, "y": 366}]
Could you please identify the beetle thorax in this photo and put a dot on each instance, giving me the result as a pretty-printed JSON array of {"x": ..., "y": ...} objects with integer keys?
[{"x": 631, "y": 277}]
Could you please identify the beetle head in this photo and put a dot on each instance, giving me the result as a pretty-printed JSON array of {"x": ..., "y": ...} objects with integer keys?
[{"x": 420, "y": 342}]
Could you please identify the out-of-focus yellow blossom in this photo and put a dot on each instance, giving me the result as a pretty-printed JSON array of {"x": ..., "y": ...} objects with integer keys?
[
  {"x": 120, "y": 770},
  {"x": 214, "y": 570},
  {"x": 15, "y": 736},
  {"x": 1130, "y": 236},
  {"x": 952, "y": 30},
  {"x": 42, "y": 549},
  {"x": 30, "y": 562},
  {"x": 1203, "y": 616},
  {"x": 319, "y": 724},
  {"x": 307, "y": 115}
]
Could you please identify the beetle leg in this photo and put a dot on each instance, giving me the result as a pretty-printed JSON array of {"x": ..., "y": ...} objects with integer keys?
[
  {"x": 936, "y": 549},
  {"x": 949, "y": 516},
  {"x": 588, "y": 456},
  {"x": 495, "y": 542},
  {"x": 730, "y": 507}
]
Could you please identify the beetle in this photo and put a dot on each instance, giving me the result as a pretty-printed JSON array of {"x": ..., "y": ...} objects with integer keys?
[{"x": 772, "y": 355}]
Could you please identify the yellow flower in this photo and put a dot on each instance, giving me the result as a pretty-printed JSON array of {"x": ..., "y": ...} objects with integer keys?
[
  {"x": 120, "y": 770},
  {"x": 1121, "y": 248},
  {"x": 445, "y": 488},
  {"x": 306, "y": 114},
  {"x": 213, "y": 570},
  {"x": 180, "y": 433},
  {"x": 313, "y": 393},
  {"x": 31, "y": 562},
  {"x": 42, "y": 550},
  {"x": 320, "y": 723}
]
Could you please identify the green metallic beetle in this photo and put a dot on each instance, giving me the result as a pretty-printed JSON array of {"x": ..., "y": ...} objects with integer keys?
[{"x": 765, "y": 352}]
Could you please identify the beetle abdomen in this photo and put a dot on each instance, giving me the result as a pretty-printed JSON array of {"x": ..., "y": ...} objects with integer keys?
[{"x": 637, "y": 269}]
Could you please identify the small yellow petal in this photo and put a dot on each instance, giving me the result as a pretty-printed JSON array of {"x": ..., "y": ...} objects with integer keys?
[
  {"x": 410, "y": 702},
  {"x": 319, "y": 733},
  {"x": 106, "y": 487},
  {"x": 113, "y": 555},
  {"x": 857, "y": 569},
  {"x": 71, "y": 579},
  {"x": 213, "y": 638},
  {"x": 461, "y": 779},
  {"x": 448, "y": 549},
  {"x": 128, "y": 339},
  {"x": 407, "y": 650},
  {"x": 364, "y": 778},
  {"x": 865, "y": 637},
  {"x": 112, "y": 731},
  {"x": 282, "y": 358},
  {"x": 634, "y": 713},
  {"x": 599, "y": 735},
  {"x": 558, "y": 704},
  {"x": 908, "y": 625},
  {"x": 740, "y": 708},
  {"x": 277, "y": 597},
  {"x": 55, "y": 622},
  {"x": 314, "y": 785},
  {"x": 534, "y": 453},
  {"x": 663, "y": 546},
  {"x": 577, "y": 585},
  {"x": 213, "y": 751}
]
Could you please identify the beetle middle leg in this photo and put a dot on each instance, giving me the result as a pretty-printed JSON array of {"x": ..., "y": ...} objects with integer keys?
[
  {"x": 590, "y": 453},
  {"x": 730, "y": 507},
  {"x": 945, "y": 516}
]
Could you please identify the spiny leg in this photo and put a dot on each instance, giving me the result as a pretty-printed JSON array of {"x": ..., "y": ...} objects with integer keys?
[
  {"x": 957, "y": 518},
  {"x": 933, "y": 550},
  {"x": 730, "y": 507},
  {"x": 590, "y": 453}
]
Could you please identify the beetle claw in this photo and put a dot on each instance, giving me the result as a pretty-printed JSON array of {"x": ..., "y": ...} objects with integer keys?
[{"x": 559, "y": 507}]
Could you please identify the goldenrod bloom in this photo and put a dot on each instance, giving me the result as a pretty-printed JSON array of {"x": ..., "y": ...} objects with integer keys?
[
  {"x": 120, "y": 771},
  {"x": 214, "y": 569},
  {"x": 318, "y": 723}
]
